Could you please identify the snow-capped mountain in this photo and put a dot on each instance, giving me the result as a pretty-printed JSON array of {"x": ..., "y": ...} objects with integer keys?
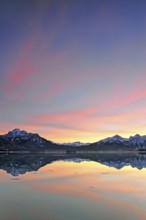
[
  {"x": 138, "y": 141},
  {"x": 20, "y": 136},
  {"x": 133, "y": 142},
  {"x": 118, "y": 142},
  {"x": 16, "y": 133},
  {"x": 114, "y": 139},
  {"x": 76, "y": 144},
  {"x": 21, "y": 140}
]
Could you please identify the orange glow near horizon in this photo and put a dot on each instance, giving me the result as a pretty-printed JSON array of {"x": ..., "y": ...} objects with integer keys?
[{"x": 62, "y": 136}]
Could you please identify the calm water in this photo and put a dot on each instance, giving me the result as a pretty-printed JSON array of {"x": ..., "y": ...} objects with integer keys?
[{"x": 72, "y": 188}]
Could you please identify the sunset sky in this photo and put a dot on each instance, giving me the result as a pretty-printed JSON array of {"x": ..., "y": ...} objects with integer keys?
[{"x": 73, "y": 69}]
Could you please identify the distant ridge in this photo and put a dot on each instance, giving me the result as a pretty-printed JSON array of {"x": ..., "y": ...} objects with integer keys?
[{"x": 19, "y": 140}]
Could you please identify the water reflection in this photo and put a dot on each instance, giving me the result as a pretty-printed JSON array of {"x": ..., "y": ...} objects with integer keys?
[
  {"x": 16, "y": 164},
  {"x": 68, "y": 187}
]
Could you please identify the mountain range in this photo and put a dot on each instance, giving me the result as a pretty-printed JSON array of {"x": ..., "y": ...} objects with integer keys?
[{"x": 19, "y": 140}]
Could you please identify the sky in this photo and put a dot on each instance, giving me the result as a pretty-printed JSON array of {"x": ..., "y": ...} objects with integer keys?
[{"x": 73, "y": 70}]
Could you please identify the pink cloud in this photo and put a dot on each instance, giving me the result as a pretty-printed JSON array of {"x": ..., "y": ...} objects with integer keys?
[
  {"x": 22, "y": 70},
  {"x": 29, "y": 62}
]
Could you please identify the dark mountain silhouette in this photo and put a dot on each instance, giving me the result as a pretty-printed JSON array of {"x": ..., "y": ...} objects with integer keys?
[{"x": 18, "y": 140}]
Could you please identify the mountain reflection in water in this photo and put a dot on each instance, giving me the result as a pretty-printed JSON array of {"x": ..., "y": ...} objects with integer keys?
[
  {"x": 16, "y": 164},
  {"x": 59, "y": 186}
]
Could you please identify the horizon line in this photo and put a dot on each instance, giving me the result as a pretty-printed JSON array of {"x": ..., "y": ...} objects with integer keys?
[{"x": 73, "y": 141}]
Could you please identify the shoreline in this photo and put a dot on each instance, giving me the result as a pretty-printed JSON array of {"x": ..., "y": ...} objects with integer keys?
[{"x": 75, "y": 152}]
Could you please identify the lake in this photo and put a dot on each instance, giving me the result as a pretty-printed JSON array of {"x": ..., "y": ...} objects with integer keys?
[{"x": 69, "y": 187}]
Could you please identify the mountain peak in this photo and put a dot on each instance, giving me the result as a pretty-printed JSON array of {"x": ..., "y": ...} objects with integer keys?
[
  {"x": 16, "y": 132},
  {"x": 23, "y": 138},
  {"x": 115, "y": 138}
]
